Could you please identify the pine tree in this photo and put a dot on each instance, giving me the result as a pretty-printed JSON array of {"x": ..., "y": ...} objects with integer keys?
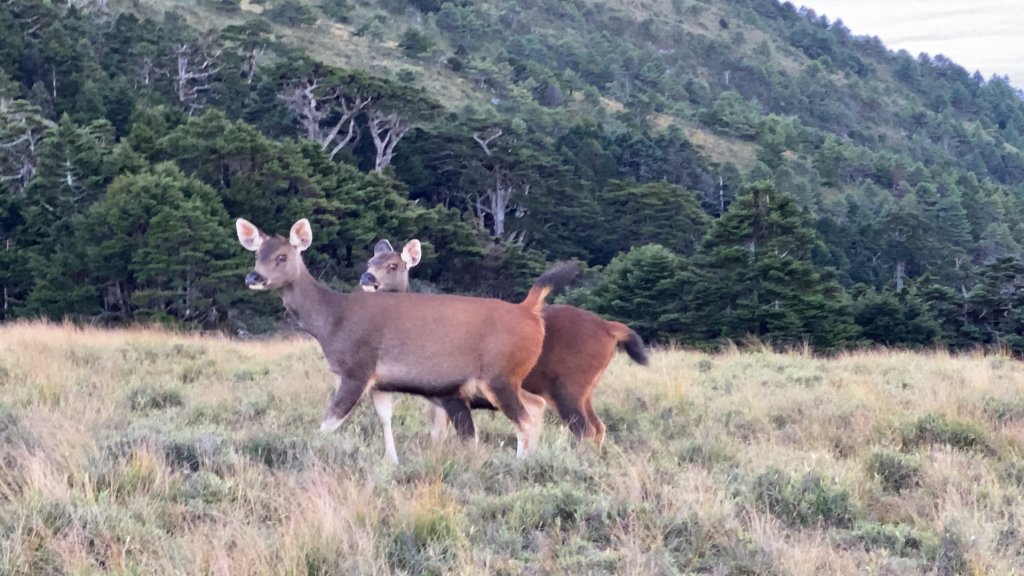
[
  {"x": 187, "y": 269},
  {"x": 643, "y": 288},
  {"x": 753, "y": 276},
  {"x": 71, "y": 175},
  {"x": 158, "y": 246},
  {"x": 949, "y": 308},
  {"x": 655, "y": 213},
  {"x": 953, "y": 264},
  {"x": 906, "y": 240},
  {"x": 996, "y": 304},
  {"x": 15, "y": 273},
  {"x": 895, "y": 319}
]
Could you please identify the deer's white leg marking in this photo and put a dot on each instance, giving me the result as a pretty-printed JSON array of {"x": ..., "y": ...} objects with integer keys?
[{"x": 382, "y": 404}]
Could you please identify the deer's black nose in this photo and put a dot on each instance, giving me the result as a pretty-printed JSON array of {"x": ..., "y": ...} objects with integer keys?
[
  {"x": 253, "y": 278},
  {"x": 367, "y": 279}
]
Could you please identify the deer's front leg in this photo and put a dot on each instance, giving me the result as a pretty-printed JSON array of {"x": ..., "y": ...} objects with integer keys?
[
  {"x": 347, "y": 392},
  {"x": 382, "y": 404}
]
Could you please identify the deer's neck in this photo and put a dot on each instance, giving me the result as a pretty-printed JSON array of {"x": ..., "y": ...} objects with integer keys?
[{"x": 316, "y": 307}]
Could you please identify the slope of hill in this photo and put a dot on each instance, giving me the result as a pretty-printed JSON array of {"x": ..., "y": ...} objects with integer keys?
[{"x": 507, "y": 133}]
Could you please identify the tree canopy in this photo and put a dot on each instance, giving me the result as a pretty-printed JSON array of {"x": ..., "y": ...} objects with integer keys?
[{"x": 807, "y": 187}]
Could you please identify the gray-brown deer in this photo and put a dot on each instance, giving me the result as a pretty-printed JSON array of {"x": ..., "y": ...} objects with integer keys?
[
  {"x": 459, "y": 349},
  {"x": 578, "y": 346}
]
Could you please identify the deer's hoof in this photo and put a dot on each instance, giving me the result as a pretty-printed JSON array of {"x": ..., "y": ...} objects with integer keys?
[{"x": 330, "y": 424}]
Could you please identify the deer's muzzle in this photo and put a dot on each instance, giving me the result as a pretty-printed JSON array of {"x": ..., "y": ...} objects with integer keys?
[
  {"x": 255, "y": 281},
  {"x": 369, "y": 282}
]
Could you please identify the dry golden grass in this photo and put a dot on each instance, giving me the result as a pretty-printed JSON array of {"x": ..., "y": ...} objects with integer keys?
[{"x": 152, "y": 452}]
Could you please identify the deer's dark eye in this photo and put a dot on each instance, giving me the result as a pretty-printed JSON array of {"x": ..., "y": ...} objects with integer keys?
[
  {"x": 392, "y": 267},
  {"x": 281, "y": 257}
]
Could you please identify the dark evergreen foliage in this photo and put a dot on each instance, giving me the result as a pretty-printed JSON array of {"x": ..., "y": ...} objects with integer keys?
[{"x": 848, "y": 195}]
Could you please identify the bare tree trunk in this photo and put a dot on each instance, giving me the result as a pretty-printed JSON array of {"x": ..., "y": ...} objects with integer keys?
[
  {"x": 499, "y": 203},
  {"x": 313, "y": 110},
  {"x": 348, "y": 117},
  {"x": 485, "y": 143},
  {"x": 386, "y": 130},
  {"x": 7, "y": 296},
  {"x": 147, "y": 70},
  {"x": 24, "y": 149},
  {"x": 250, "y": 62},
  {"x": 480, "y": 212},
  {"x": 195, "y": 75},
  {"x": 901, "y": 268},
  {"x": 498, "y": 197},
  {"x": 721, "y": 195}
]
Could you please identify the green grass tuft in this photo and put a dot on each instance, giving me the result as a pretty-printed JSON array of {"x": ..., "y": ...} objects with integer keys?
[
  {"x": 938, "y": 429},
  {"x": 896, "y": 472},
  {"x": 802, "y": 501}
]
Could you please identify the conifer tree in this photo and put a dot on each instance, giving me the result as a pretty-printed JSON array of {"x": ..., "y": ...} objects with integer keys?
[
  {"x": 655, "y": 213},
  {"x": 894, "y": 319},
  {"x": 996, "y": 304},
  {"x": 753, "y": 276},
  {"x": 158, "y": 246},
  {"x": 643, "y": 288}
]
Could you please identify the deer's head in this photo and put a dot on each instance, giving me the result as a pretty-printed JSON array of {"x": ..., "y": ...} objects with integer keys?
[
  {"x": 388, "y": 271},
  {"x": 278, "y": 261}
]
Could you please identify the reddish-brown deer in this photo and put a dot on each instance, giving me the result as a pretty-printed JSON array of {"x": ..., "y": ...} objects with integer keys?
[
  {"x": 462, "y": 350},
  {"x": 578, "y": 346}
]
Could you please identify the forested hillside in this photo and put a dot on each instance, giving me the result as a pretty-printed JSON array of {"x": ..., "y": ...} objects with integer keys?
[{"x": 726, "y": 167}]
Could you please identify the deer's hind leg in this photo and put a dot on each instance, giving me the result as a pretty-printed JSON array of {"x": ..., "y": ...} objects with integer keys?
[
  {"x": 571, "y": 410},
  {"x": 595, "y": 421},
  {"x": 523, "y": 408},
  {"x": 456, "y": 409},
  {"x": 438, "y": 422}
]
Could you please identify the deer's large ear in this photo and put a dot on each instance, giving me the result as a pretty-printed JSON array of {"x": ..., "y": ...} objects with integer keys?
[
  {"x": 412, "y": 253},
  {"x": 301, "y": 235},
  {"x": 382, "y": 247},
  {"x": 249, "y": 236}
]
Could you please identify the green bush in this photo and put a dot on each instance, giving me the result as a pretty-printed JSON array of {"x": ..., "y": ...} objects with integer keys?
[
  {"x": 225, "y": 5},
  {"x": 896, "y": 472},
  {"x": 147, "y": 397},
  {"x": 204, "y": 488},
  {"x": 337, "y": 10},
  {"x": 938, "y": 429},
  {"x": 415, "y": 43},
  {"x": 1004, "y": 410},
  {"x": 274, "y": 450},
  {"x": 897, "y": 539},
  {"x": 290, "y": 13},
  {"x": 705, "y": 454},
  {"x": 950, "y": 558},
  {"x": 428, "y": 542},
  {"x": 542, "y": 508},
  {"x": 807, "y": 501}
]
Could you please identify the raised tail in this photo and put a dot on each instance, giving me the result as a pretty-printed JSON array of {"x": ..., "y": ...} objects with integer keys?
[
  {"x": 631, "y": 342},
  {"x": 556, "y": 277}
]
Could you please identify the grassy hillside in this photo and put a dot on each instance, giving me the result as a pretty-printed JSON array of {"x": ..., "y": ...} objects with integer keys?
[
  {"x": 142, "y": 452},
  {"x": 782, "y": 61}
]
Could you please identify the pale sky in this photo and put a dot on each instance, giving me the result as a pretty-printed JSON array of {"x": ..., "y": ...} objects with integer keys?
[{"x": 984, "y": 35}]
